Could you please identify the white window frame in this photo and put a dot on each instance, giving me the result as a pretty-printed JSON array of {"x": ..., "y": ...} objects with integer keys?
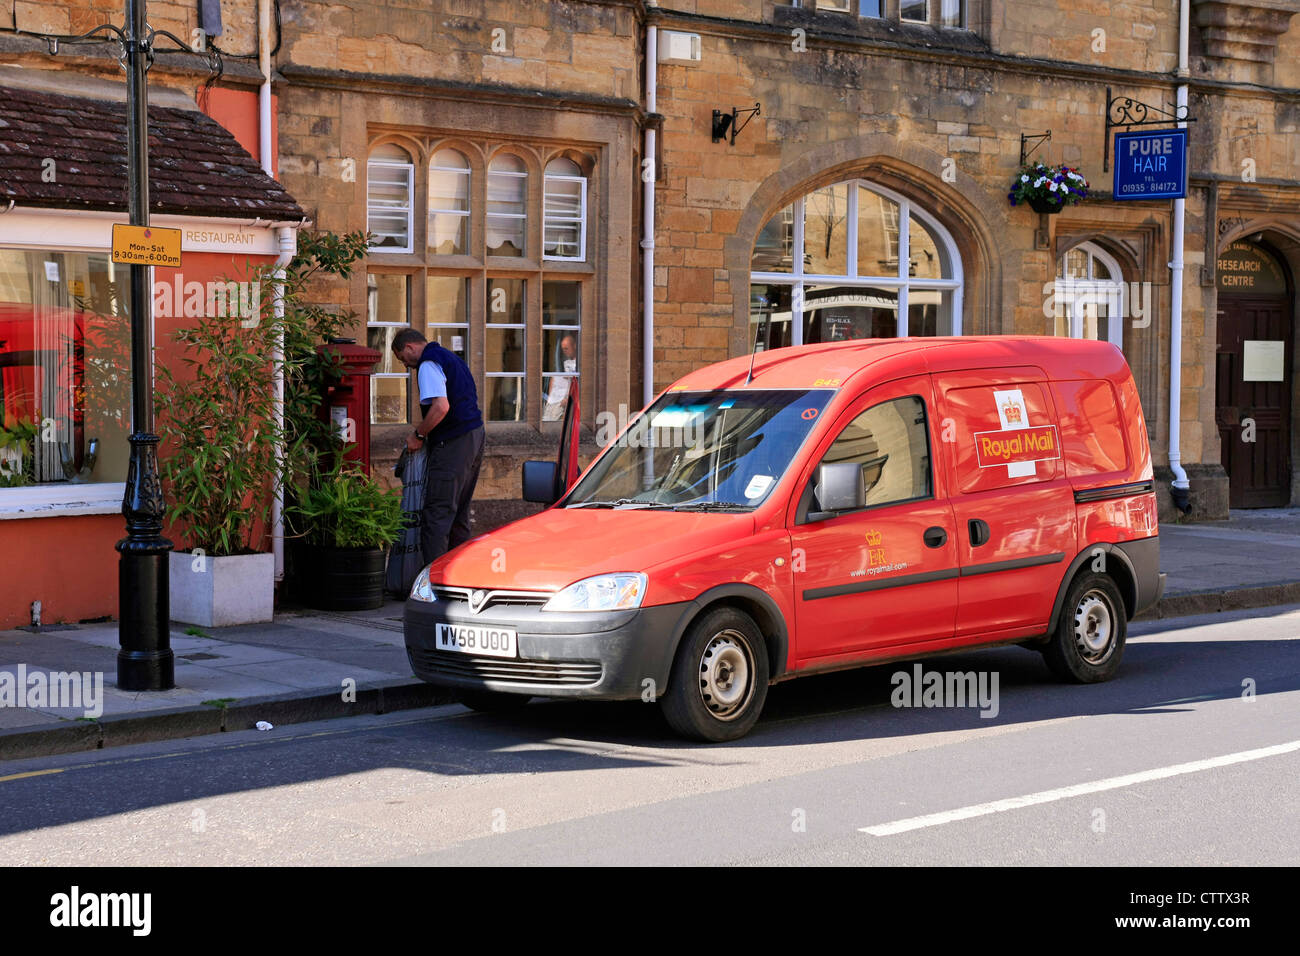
[
  {"x": 575, "y": 377},
  {"x": 409, "y": 207},
  {"x": 489, "y": 216},
  {"x": 925, "y": 19},
  {"x": 464, "y": 326},
  {"x": 488, "y": 326},
  {"x": 431, "y": 211},
  {"x": 1112, "y": 291},
  {"x": 901, "y": 283},
  {"x": 581, "y": 218},
  {"x": 374, "y": 392}
]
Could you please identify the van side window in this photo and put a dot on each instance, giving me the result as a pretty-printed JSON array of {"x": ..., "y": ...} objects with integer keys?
[{"x": 890, "y": 441}]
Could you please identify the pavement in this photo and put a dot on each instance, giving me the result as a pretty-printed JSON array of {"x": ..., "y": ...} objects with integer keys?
[{"x": 309, "y": 665}]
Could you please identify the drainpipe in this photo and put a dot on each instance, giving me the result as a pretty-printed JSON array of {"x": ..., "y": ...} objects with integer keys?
[
  {"x": 1179, "y": 490},
  {"x": 264, "y": 92},
  {"x": 287, "y": 238},
  {"x": 648, "y": 217}
]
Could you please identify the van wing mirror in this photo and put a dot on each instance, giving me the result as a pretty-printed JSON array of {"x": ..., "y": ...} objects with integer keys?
[
  {"x": 840, "y": 486},
  {"x": 539, "y": 482}
]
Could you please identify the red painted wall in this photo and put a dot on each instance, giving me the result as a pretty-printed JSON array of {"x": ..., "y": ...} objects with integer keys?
[
  {"x": 236, "y": 110},
  {"x": 69, "y": 563}
]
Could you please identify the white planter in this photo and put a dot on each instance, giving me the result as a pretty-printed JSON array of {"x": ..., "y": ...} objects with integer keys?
[{"x": 220, "y": 592}]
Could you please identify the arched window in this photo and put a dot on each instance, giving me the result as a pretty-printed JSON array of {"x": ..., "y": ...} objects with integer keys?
[
  {"x": 448, "y": 203},
  {"x": 507, "y": 203},
  {"x": 849, "y": 261},
  {"x": 1088, "y": 295},
  {"x": 564, "y": 226},
  {"x": 389, "y": 178}
]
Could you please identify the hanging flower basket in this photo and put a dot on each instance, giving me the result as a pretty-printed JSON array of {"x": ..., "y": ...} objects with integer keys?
[{"x": 1047, "y": 189}]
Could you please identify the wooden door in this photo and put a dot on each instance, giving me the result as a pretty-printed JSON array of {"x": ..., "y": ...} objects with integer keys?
[{"x": 1253, "y": 398}]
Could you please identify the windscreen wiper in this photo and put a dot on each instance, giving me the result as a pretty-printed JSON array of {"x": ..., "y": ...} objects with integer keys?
[
  {"x": 714, "y": 506},
  {"x": 620, "y": 503}
]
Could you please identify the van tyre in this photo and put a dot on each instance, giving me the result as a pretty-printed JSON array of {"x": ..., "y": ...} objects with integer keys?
[
  {"x": 1089, "y": 639},
  {"x": 719, "y": 678},
  {"x": 491, "y": 701}
]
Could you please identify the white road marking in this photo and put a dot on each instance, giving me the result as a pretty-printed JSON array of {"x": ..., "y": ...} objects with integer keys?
[{"x": 1064, "y": 793}]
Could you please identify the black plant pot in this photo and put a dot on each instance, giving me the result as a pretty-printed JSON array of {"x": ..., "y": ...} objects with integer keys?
[
  {"x": 1044, "y": 205},
  {"x": 339, "y": 579}
]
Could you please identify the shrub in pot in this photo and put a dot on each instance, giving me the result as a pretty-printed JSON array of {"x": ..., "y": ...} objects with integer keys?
[
  {"x": 219, "y": 465},
  {"x": 349, "y": 520}
]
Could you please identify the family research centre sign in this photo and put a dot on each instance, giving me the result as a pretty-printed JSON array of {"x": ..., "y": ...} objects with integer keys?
[{"x": 1151, "y": 164}]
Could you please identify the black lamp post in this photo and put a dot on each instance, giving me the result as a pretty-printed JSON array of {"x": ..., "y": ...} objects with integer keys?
[{"x": 145, "y": 660}]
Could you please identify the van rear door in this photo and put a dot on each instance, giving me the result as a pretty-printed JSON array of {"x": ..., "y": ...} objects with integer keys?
[{"x": 1013, "y": 504}]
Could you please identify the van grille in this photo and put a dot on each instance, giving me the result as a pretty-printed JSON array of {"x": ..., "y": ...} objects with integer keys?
[
  {"x": 554, "y": 673},
  {"x": 489, "y": 598}
]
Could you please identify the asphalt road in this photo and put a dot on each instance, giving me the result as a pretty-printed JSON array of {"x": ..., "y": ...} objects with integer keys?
[{"x": 1189, "y": 757}]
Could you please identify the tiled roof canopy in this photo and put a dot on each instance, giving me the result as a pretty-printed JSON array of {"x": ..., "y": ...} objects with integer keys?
[{"x": 196, "y": 167}]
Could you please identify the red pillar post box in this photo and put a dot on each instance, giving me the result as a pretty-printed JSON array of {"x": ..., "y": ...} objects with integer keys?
[{"x": 347, "y": 400}]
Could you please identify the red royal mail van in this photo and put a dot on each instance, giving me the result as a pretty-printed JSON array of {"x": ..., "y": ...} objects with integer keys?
[{"x": 843, "y": 504}]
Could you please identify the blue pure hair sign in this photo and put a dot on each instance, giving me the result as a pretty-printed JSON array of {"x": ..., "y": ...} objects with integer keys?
[{"x": 1151, "y": 164}]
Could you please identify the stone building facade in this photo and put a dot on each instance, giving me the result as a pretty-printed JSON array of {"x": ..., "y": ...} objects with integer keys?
[{"x": 464, "y": 127}]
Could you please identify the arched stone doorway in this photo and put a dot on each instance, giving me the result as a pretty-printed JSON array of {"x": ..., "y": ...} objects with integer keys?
[{"x": 1254, "y": 373}]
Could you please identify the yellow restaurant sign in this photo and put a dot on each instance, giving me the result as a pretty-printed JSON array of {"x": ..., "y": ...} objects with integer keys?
[{"x": 146, "y": 245}]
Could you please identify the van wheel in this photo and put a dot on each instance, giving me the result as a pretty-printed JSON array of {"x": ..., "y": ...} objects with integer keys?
[
  {"x": 719, "y": 679},
  {"x": 1089, "y": 638},
  {"x": 491, "y": 701}
]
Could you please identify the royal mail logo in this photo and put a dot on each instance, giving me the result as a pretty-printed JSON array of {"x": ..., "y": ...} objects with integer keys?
[
  {"x": 1011, "y": 413},
  {"x": 1009, "y": 446}
]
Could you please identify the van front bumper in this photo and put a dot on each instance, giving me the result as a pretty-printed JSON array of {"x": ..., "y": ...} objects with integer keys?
[{"x": 606, "y": 655}]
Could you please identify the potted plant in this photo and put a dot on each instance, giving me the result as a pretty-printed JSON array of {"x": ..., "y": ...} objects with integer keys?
[
  {"x": 1047, "y": 189},
  {"x": 216, "y": 418},
  {"x": 17, "y": 458},
  {"x": 351, "y": 520}
]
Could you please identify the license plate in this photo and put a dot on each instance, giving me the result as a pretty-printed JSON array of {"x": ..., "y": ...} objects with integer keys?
[{"x": 476, "y": 639}]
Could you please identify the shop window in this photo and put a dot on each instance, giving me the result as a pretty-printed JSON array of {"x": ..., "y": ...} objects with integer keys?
[
  {"x": 448, "y": 203},
  {"x": 507, "y": 206},
  {"x": 388, "y": 311},
  {"x": 564, "y": 211},
  {"x": 65, "y": 360},
  {"x": 839, "y": 264},
  {"x": 1088, "y": 295},
  {"x": 390, "y": 176}
]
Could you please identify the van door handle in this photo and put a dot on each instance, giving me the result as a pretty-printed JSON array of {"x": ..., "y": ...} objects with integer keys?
[
  {"x": 934, "y": 537},
  {"x": 979, "y": 532}
]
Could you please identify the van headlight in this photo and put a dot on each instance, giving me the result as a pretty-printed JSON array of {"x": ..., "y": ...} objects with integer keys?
[
  {"x": 422, "y": 590},
  {"x": 604, "y": 592}
]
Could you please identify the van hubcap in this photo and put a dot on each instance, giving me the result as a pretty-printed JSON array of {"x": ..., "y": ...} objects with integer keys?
[
  {"x": 1093, "y": 628},
  {"x": 725, "y": 669}
]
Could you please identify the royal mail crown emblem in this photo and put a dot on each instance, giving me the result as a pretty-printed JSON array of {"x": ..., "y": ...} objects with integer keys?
[{"x": 1011, "y": 412}]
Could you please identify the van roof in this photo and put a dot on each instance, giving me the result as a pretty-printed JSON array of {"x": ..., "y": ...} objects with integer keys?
[{"x": 832, "y": 364}]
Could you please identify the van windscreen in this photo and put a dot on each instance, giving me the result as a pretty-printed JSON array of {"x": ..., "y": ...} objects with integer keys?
[{"x": 719, "y": 450}]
